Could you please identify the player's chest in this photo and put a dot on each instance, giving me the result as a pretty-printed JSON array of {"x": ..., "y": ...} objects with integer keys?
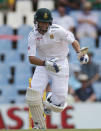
[{"x": 47, "y": 40}]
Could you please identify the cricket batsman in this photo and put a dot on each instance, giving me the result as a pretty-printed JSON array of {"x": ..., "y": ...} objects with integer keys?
[{"x": 51, "y": 42}]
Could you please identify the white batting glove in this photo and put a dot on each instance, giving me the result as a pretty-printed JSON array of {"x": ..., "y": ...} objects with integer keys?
[
  {"x": 83, "y": 58},
  {"x": 51, "y": 65}
]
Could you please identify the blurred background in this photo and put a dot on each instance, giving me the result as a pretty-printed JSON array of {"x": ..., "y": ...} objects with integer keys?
[{"x": 83, "y": 18}]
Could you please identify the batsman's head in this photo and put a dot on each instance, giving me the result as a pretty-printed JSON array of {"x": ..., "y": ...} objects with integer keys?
[{"x": 43, "y": 19}]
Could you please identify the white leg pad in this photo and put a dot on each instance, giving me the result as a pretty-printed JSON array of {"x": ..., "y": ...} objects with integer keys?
[
  {"x": 54, "y": 107},
  {"x": 35, "y": 104}
]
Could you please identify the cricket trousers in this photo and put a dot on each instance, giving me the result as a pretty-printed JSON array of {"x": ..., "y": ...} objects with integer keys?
[{"x": 59, "y": 84}]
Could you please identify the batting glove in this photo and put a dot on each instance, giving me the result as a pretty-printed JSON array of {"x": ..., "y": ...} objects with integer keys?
[
  {"x": 51, "y": 65},
  {"x": 83, "y": 58}
]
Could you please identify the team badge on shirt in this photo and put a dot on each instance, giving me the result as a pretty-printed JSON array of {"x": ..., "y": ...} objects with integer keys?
[
  {"x": 45, "y": 15},
  {"x": 51, "y": 36}
]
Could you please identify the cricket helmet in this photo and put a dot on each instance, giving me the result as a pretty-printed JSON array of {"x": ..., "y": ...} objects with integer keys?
[{"x": 43, "y": 15}]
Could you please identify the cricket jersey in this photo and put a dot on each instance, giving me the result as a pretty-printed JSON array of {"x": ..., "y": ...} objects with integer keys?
[{"x": 54, "y": 43}]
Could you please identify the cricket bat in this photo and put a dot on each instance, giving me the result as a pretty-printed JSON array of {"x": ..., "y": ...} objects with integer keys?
[{"x": 84, "y": 50}]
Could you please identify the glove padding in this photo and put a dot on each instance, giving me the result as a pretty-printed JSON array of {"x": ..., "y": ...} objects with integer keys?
[
  {"x": 51, "y": 65},
  {"x": 83, "y": 58}
]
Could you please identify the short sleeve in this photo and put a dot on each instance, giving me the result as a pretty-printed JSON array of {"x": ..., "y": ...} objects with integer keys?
[
  {"x": 31, "y": 44},
  {"x": 69, "y": 37},
  {"x": 66, "y": 36}
]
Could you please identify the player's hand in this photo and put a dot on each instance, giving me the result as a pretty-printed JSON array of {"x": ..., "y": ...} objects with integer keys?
[
  {"x": 51, "y": 65},
  {"x": 83, "y": 58}
]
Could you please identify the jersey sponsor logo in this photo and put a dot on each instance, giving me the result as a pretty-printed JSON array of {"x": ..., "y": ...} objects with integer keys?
[
  {"x": 45, "y": 16},
  {"x": 51, "y": 36}
]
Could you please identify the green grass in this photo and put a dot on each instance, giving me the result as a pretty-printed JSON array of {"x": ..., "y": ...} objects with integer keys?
[{"x": 58, "y": 129}]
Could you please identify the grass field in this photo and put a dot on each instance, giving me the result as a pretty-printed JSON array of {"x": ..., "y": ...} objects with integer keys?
[{"x": 58, "y": 129}]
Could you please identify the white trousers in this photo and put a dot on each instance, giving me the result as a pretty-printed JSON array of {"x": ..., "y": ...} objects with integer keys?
[{"x": 59, "y": 85}]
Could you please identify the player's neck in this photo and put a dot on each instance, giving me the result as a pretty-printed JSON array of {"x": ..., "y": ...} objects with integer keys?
[{"x": 42, "y": 33}]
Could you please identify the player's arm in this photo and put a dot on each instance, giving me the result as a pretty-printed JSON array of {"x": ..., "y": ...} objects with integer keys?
[
  {"x": 50, "y": 65},
  {"x": 32, "y": 51},
  {"x": 70, "y": 39},
  {"x": 36, "y": 61},
  {"x": 76, "y": 46},
  {"x": 81, "y": 52}
]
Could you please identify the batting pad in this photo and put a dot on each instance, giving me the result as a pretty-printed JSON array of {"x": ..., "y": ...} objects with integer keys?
[
  {"x": 34, "y": 102},
  {"x": 54, "y": 107}
]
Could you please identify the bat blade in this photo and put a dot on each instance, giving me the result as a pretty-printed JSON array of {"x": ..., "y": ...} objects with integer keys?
[{"x": 84, "y": 50}]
